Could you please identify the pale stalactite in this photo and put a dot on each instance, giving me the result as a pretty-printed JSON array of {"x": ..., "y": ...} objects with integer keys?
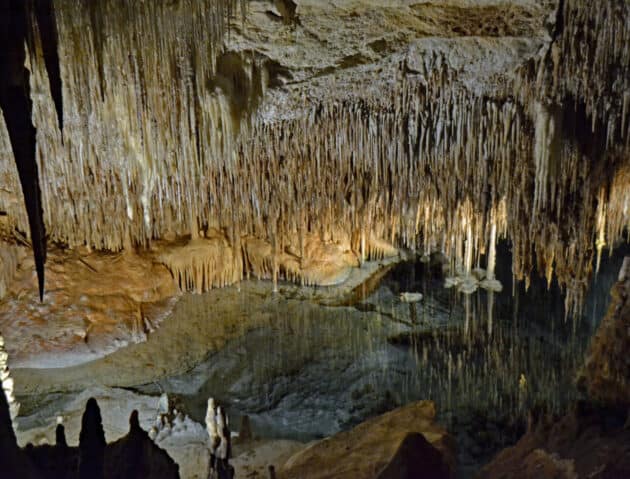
[
  {"x": 600, "y": 242},
  {"x": 548, "y": 128},
  {"x": 203, "y": 263},
  {"x": 7, "y": 383}
]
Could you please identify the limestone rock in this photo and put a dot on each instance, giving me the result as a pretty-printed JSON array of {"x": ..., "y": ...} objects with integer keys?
[
  {"x": 416, "y": 458},
  {"x": 377, "y": 446},
  {"x": 588, "y": 442},
  {"x": 606, "y": 371},
  {"x": 95, "y": 303}
]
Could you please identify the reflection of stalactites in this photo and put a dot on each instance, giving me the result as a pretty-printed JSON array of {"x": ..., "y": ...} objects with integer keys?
[{"x": 490, "y": 312}]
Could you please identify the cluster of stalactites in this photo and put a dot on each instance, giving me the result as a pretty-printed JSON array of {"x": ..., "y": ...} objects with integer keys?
[
  {"x": 203, "y": 264},
  {"x": 585, "y": 70},
  {"x": 429, "y": 165},
  {"x": 579, "y": 97},
  {"x": 593, "y": 58},
  {"x": 10, "y": 257},
  {"x": 148, "y": 120}
]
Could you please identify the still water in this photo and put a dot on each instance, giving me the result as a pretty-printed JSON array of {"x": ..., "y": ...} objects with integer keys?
[{"x": 485, "y": 359}]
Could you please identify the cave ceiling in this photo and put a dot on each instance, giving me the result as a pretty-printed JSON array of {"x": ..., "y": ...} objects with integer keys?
[{"x": 435, "y": 126}]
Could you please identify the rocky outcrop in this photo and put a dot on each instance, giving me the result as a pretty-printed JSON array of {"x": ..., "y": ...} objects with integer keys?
[
  {"x": 399, "y": 443},
  {"x": 96, "y": 303},
  {"x": 587, "y": 443},
  {"x": 606, "y": 372},
  {"x": 136, "y": 456},
  {"x": 416, "y": 458}
]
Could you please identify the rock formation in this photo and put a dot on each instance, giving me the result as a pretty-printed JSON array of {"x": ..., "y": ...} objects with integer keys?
[
  {"x": 606, "y": 372},
  {"x": 6, "y": 381},
  {"x": 219, "y": 442},
  {"x": 134, "y": 456},
  {"x": 91, "y": 443},
  {"x": 400, "y": 443},
  {"x": 588, "y": 442}
]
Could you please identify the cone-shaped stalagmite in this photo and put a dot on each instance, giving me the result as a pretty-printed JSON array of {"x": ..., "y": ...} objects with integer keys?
[{"x": 91, "y": 443}]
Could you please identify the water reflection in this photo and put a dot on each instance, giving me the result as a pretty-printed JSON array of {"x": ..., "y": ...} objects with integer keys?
[{"x": 485, "y": 359}]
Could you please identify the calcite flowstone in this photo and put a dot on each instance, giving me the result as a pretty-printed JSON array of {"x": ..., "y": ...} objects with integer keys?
[{"x": 94, "y": 304}]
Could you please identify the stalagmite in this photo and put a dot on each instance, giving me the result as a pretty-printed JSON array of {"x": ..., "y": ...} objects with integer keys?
[
  {"x": 7, "y": 384},
  {"x": 219, "y": 443},
  {"x": 212, "y": 428}
]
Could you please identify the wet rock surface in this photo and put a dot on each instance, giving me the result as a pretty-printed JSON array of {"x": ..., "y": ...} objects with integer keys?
[{"x": 304, "y": 371}]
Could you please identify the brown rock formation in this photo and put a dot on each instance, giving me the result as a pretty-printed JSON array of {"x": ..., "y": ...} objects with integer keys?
[
  {"x": 96, "y": 303},
  {"x": 606, "y": 372},
  {"x": 587, "y": 443},
  {"x": 401, "y": 441}
]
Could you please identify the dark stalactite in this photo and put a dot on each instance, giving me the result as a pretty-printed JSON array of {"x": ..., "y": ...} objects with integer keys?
[
  {"x": 16, "y": 106},
  {"x": 45, "y": 14}
]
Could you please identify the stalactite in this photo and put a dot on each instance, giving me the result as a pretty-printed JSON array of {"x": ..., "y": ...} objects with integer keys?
[
  {"x": 204, "y": 263},
  {"x": 127, "y": 103}
]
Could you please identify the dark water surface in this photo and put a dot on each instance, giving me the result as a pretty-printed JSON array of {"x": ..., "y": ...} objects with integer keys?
[{"x": 485, "y": 359}]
